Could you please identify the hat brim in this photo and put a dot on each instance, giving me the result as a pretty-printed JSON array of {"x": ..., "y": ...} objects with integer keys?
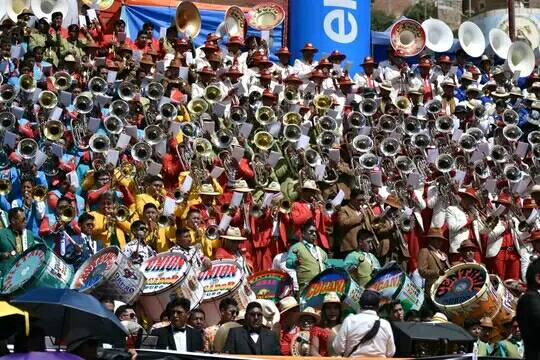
[
  {"x": 382, "y": 87},
  {"x": 337, "y": 57},
  {"x": 297, "y": 306},
  {"x": 503, "y": 202},
  {"x": 232, "y": 237},
  {"x": 462, "y": 193},
  {"x": 215, "y": 193},
  {"x": 435, "y": 237},
  {"x": 313, "y": 315},
  {"x": 310, "y": 188},
  {"x": 244, "y": 190}
]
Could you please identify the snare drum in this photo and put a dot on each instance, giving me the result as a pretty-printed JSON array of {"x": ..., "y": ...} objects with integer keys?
[
  {"x": 168, "y": 274},
  {"x": 392, "y": 283},
  {"x": 37, "y": 267},
  {"x": 331, "y": 280},
  {"x": 465, "y": 291},
  {"x": 110, "y": 273},
  {"x": 224, "y": 279},
  {"x": 271, "y": 284}
]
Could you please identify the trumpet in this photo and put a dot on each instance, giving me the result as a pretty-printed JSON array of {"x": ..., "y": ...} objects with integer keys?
[
  {"x": 48, "y": 100},
  {"x": 212, "y": 93},
  {"x": 178, "y": 195},
  {"x": 99, "y": 143},
  {"x": 27, "y": 83},
  {"x": 153, "y": 134},
  {"x": 54, "y": 130},
  {"x": 61, "y": 81},
  {"x": 141, "y": 151},
  {"x": 211, "y": 232},
  {"x": 83, "y": 104},
  {"x": 97, "y": 86},
  {"x": 5, "y": 186},
  {"x": 121, "y": 213},
  {"x": 66, "y": 214},
  {"x": 120, "y": 109}
]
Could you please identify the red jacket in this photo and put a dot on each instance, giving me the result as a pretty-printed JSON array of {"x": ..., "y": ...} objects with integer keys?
[{"x": 301, "y": 213}]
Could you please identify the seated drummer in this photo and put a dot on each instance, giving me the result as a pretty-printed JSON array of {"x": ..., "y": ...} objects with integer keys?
[
  {"x": 361, "y": 263},
  {"x": 191, "y": 251},
  {"x": 137, "y": 249},
  {"x": 84, "y": 247},
  {"x": 15, "y": 239}
]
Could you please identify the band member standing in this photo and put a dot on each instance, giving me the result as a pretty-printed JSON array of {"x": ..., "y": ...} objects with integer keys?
[
  {"x": 137, "y": 249},
  {"x": 433, "y": 261},
  {"x": 15, "y": 239}
]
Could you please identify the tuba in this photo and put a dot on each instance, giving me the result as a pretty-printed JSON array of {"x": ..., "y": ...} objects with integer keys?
[
  {"x": 27, "y": 148},
  {"x": 322, "y": 103},
  {"x": 120, "y": 109},
  {"x": 445, "y": 163},
  {"x": 48, "y": 100},
  {"x": 235, "y": 22},
  {"x": 534, "y": 137},
  {"x": 368, "y": 161},
  {"x": 141, "y": 151},
  {"x": 512, "y": 133},
  {"x": 154, "y": 90},
  {"x": 168, "y": 111},
  {"x": 292, "y": 95},
  {"x": 53, "y": 130},
  {"x": 197, "y": 106},
  {"x": 327, "y": 123},
  {"x": 513, "y": 173},
  {"x": 500, "y": 42},
  {"x": 153, "y": 134},
  {"x": 188, "y": 19},
  {"x": 510, "y": 117},
  {"x": 99, "y": 143},
  {"x": 421, "y": 140},
  {"x": 224, "y": 138},
  {"x": 211, "y": 232},
  {"x": 264, "y": 115},
  {"x": 362, "y": 144},
  {"x": 326, "y": 139},
  {"x": 357, "y": 120},
  {"x": 202, "y": 147},
  {"x": 403, "y": 104},
  {"x": 189, "y": 129},
  {"x": 368, "y": 107},
  {"x": 387, "y": 123},
  {"x": 97, "y": 86},
  {"x": 39, "y": 192},
  {"x": 61, "y": 81},
  {"x": 389, "y": 147},
  {"x": 7, "y": 93},
  {"x": 471, "y": 39},
  {"x": 127, "y": 91},
  {"x": 291, "y": 118},
  {"x": 468, "y": 143},
  {"x": 263, "y": 140},
  {"x": 113, "y": 125},
  {"x": 83, "y": 104},
  {"x": 7, "y": 120},
  {"x": 439, "y": 36},
  {"x": 212, "y": 93},
  {"x": 27, "y": 83},
  {"x": 408, "y": 37},
  {"x": 521, "y": 58},
  {"x": 499, "y": 154},
  {"x": 292, "y": 133},
  {"x": 444, "y": 124},
  {"x": 412, "y": 126},
  {"x": 434, "y": 106},
  {"x": 238, "y": 114}
]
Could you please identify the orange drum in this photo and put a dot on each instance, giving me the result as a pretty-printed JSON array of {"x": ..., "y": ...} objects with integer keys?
[{"x": 465, "y": 291}]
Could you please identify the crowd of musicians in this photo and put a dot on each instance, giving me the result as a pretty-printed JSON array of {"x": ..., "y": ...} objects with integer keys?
[{"x": 153, "y": 145}]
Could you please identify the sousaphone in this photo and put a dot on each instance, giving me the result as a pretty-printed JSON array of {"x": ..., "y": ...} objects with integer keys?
[
  {"x": 265, "y": 16},
  {"x": 439, "y": 36},
  {"x": 45, "y": 8},
  {"x": 98, "y": 4},
  {"x": 235, "y": 22},
  {"x": 408, "y": 37},
  {"x": 500, "y": 42},
  {"x": 15, "y": 7},
  {"x": 471, "y": 39},
  {"x": 521, "y": 58},
  {"x": 188, "y": 19}
]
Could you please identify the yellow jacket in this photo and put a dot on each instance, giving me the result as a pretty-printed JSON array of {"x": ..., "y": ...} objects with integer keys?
[
  {"x": 136, "y": 209},
  {"x": 207, "y": 245},
  {"x": 101, "y": 231},
  {"x": 89, "y": 182},
  {"x": 193, "y": 197},
  {"x": 166, "y": 238}
]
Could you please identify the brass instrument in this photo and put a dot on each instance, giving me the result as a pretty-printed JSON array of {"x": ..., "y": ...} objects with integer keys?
[
  {"x": 479, "y": 111},
  {"x": 468, "y": 143},
  {"x": 285, "y": 206},
  {"x": 7, "y": 93},
  {"x": 5, "y": 186},
  {"x": 238, "y": 114},
  {"x": 153, "y": 134},
  {"x": 61, "y": 81},
  {"x": 499, "y": 154},
  {"x": 97, "y": 86},
  {"x": 368, "y": 161},
  {"x": 7, "y": 120},
  {"x": 163, "y": 220},
  {"x": 224, "y": 138},
  {"x": 178, "y": 195},
  {"x": 121, "y": 213},
  {"x": 322, "y": 103},
  {"x": 113, "y": 125},
  {"x": 389, "y": 147},
  {"x": 387, "y": 123},
  {"x": 368, "y": 107},
  {"x": 197, "y": 106},
  {"x": 362, "y": 144},
  {"x": 53, "y": 130},
  {"x": 412, "y": 126},
  {"x": 292, "y": 95},
  {"x": 403, "y": 104},
  {"x": 264, "y": 115},
  {"x": 254, "y": 98},
  {"x": 326, "y": 139},
  {"x": 47, "y": 100},
  {"x": 211, "y": 232},
  {"x": 513, "y": 173},
  {"x": 434, "y": 107},
  {"x": 421, "y": 140},
  {"x": 119, "y": 108},
  {"x": 154, "y": 90},
  {"x": 263, "y": 140},
  {"x": 141, "y": 151},
  {"x": 27, "y": 83},
  {"x": 510, "y": 117},
  {"x": 512, "y": 133},
  {"x": 404, "y": 164},
  {"x": 188, "y": 19},
  {"x": 476, "y": 132},
  {"x": 189, "y": 130},
  {"x": 127, "y": 91},
  {"x": 534, "y": 137},
  {"x": 330, "y": 175},
  {"x": 444, "y": 124},
  {"x": 292, "y": 118},
  {"x": 292, "y": 133},
  {"x": 357, "y": 120},
  {"x": 79, "y": 129},
  {"x": 83, "y": 104},
  {"x": 99, "y": 143},
  {"x": 66, "y": 214},
  {"x": 445, "y": 163},
  {"x": 27, "y": 148},
  {"x": 168, "y": 111},
  {"x": 261, "y": 175},
  {"x": 312, "y": 157},
  {"x": 212, "y": 93},
  {"x": 327, "y": 123},
  {"x": 202, "y": 147}
]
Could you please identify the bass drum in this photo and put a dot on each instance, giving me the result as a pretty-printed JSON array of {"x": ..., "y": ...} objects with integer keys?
[
  {"x": 37, "y": 267},
  {"x": 224, "y": 279},
  {"x": 465, "y": 291},
  {"x": 110, "y": 273},
  {"x": 271, "y": 284},
  {"x": 168, "y": 274},
  {"x": 507, "y": 310}
]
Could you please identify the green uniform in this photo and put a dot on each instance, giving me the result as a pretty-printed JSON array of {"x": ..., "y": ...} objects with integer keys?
[
  {"x": 75, "y": 48},
  {"x": 9, "y": 243},
  {"x": 361, "y": 265},
  {"x": 308, "y": 260},
  {"x": 509, "y": 348}
]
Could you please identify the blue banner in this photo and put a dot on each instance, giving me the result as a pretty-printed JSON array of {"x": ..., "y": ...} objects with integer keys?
[
  {"x": 343, "y": 25},
  {"x": 135, "y": 16}
]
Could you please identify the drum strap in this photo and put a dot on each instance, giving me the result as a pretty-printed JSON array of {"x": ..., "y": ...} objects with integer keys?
[{"x": 368, "y": 336}]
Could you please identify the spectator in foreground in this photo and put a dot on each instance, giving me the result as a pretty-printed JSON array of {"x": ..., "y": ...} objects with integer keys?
[{"x": 528, "y": 312}]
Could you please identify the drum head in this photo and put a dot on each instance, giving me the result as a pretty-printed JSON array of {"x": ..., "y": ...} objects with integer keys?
[
  {"x": 164, "y": 271},
  {"x": 271, "y": 284},
  {"x": 459, "y": 285},
  {"x": 29, "y": 264},
  {"x": 330, "y": 280},
  {"x": 387, "y": 281},
  {"x": 221, "y": 280},
  {"x": 95, "y": 270}
]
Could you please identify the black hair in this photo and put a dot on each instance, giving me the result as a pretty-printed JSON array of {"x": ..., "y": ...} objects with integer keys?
[
  {"x": 121, "y": 309},
  {"x": 181, "y": 231},
  {"x": 56, "y": 14},
  {"x": 136, "y": 224},
  {"x": 225, "y": 303},
  {"x": 412, "y": 314},
  {"x": 99, "y": 173},
  {"x": 119, "y": 22},
  {"x": 197, "y": 310},
  {"x": 73, "y": 27},
  {"x": 13, "y": 212},
  {"x": 253, "y": 305},
  {"x": 107, "y": 194},
  {"x": 84, "y": 217},
  {"x": 178, "y": 301},
  {"x": 307, "y": 225},
  {"x": 470, "y": 322},
  {"x": 193, "y": 210},
  {"x": 152, "y": 178},
  {"x": 141, "y": 32},
  {"x": 149, "y": 206},
  {"x": 530, "y": 276}
]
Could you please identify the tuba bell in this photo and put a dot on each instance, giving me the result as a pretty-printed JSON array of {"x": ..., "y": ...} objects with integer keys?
[
  {"x": 27, "y": 148},
  {"x": 403, "y": 104},
  {"x": 421, "y": 140},
  {"x": 238, "y": 114},
  {"x": 408, "y": 37},
  {"x": 412, "y": 126},
  {"x": 168, "y": 111},
  {"x": 357, "y": 120},
  {"x": 48, "y": 99},
  {"x": 127, "y": 91},
  {"x": 444, "y": 124},
  {"x": 434, "y": 106},
  {"x": 521, "y": 58},
  {"x": 154, "y": 90},
  {"x": 389, "y": 147},
  {"x": 368, "y": 107},
  {"x": 212, "y": 93},
  {"x": 513, "y": 173},
  {"x": 113, "y": 125},
  {"x": 61, "y": 81},
  {"x": 7, "y": 120},
  {"x": 291, "y": 118},
  {"x": 141, "y": 151},
  {"x": 224, "y": 138},
  {"x": 97, "y": 86},
  {"x": 499, "y": 154},
  {"x": 265, "y": 115},
  {"x": 263, "y": 140},
  {"x": 327, "y": 123},
  {"x": 153, "y": 134},
  {"x": 362, "y": 143},
  {"x": 468, "y": 143},
  {"x": 534, "y": 137},
  {"x": 291, "y": 94},
  {"x": 512, "y": 133},
  {"x": 312, "y": 157},
  {"x": 99, "y": 143},
  {"x": 439, "y": 36},
  {"x": 368, "y": 161},
  {"x": 27, "y": 83},
  {"x": 404, "y": 164},
  {"x": 211, "y": 232},
  {"x": 188, "y": 129},
  {"x": 197, "y": 106},
  {"x": 120, "y": 109},
  {"x": 387, "y": 123},
  {"x": 326, "y": 139},
  {"x": 178, "y": 195},
  {"x": 83, "y": 104},
  {"x": 322, "y": 103},
  {"x": 500, "y": 42},
  {"x": 188, "y": 19},
  {"x": 121, "y": 213},
  {"x": 471, "y": 39},
  {"x": 445, "y": 163},
  {"x": 7, "y": 93},
  {"x": 5, "y": 186},
  {"x": 39, "y": 192},
  {"x": 510, "y": 117},
  {"x": 203, "y": 147},
  {"x": 292, "y": 133},
  {"x": 53, "y": 130}
]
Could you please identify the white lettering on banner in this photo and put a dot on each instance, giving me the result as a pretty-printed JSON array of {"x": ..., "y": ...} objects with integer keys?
[{"x": 339, "y": 14}]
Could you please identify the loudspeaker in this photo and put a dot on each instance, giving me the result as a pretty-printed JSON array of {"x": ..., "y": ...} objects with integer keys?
[{"x": 430, "y": 339}]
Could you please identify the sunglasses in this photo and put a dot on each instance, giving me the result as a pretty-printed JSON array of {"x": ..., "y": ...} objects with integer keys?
[{"x": 130, "y": 315}]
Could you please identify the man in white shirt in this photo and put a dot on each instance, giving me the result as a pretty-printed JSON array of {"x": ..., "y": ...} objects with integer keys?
[{"x": 365, "y": 334}]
